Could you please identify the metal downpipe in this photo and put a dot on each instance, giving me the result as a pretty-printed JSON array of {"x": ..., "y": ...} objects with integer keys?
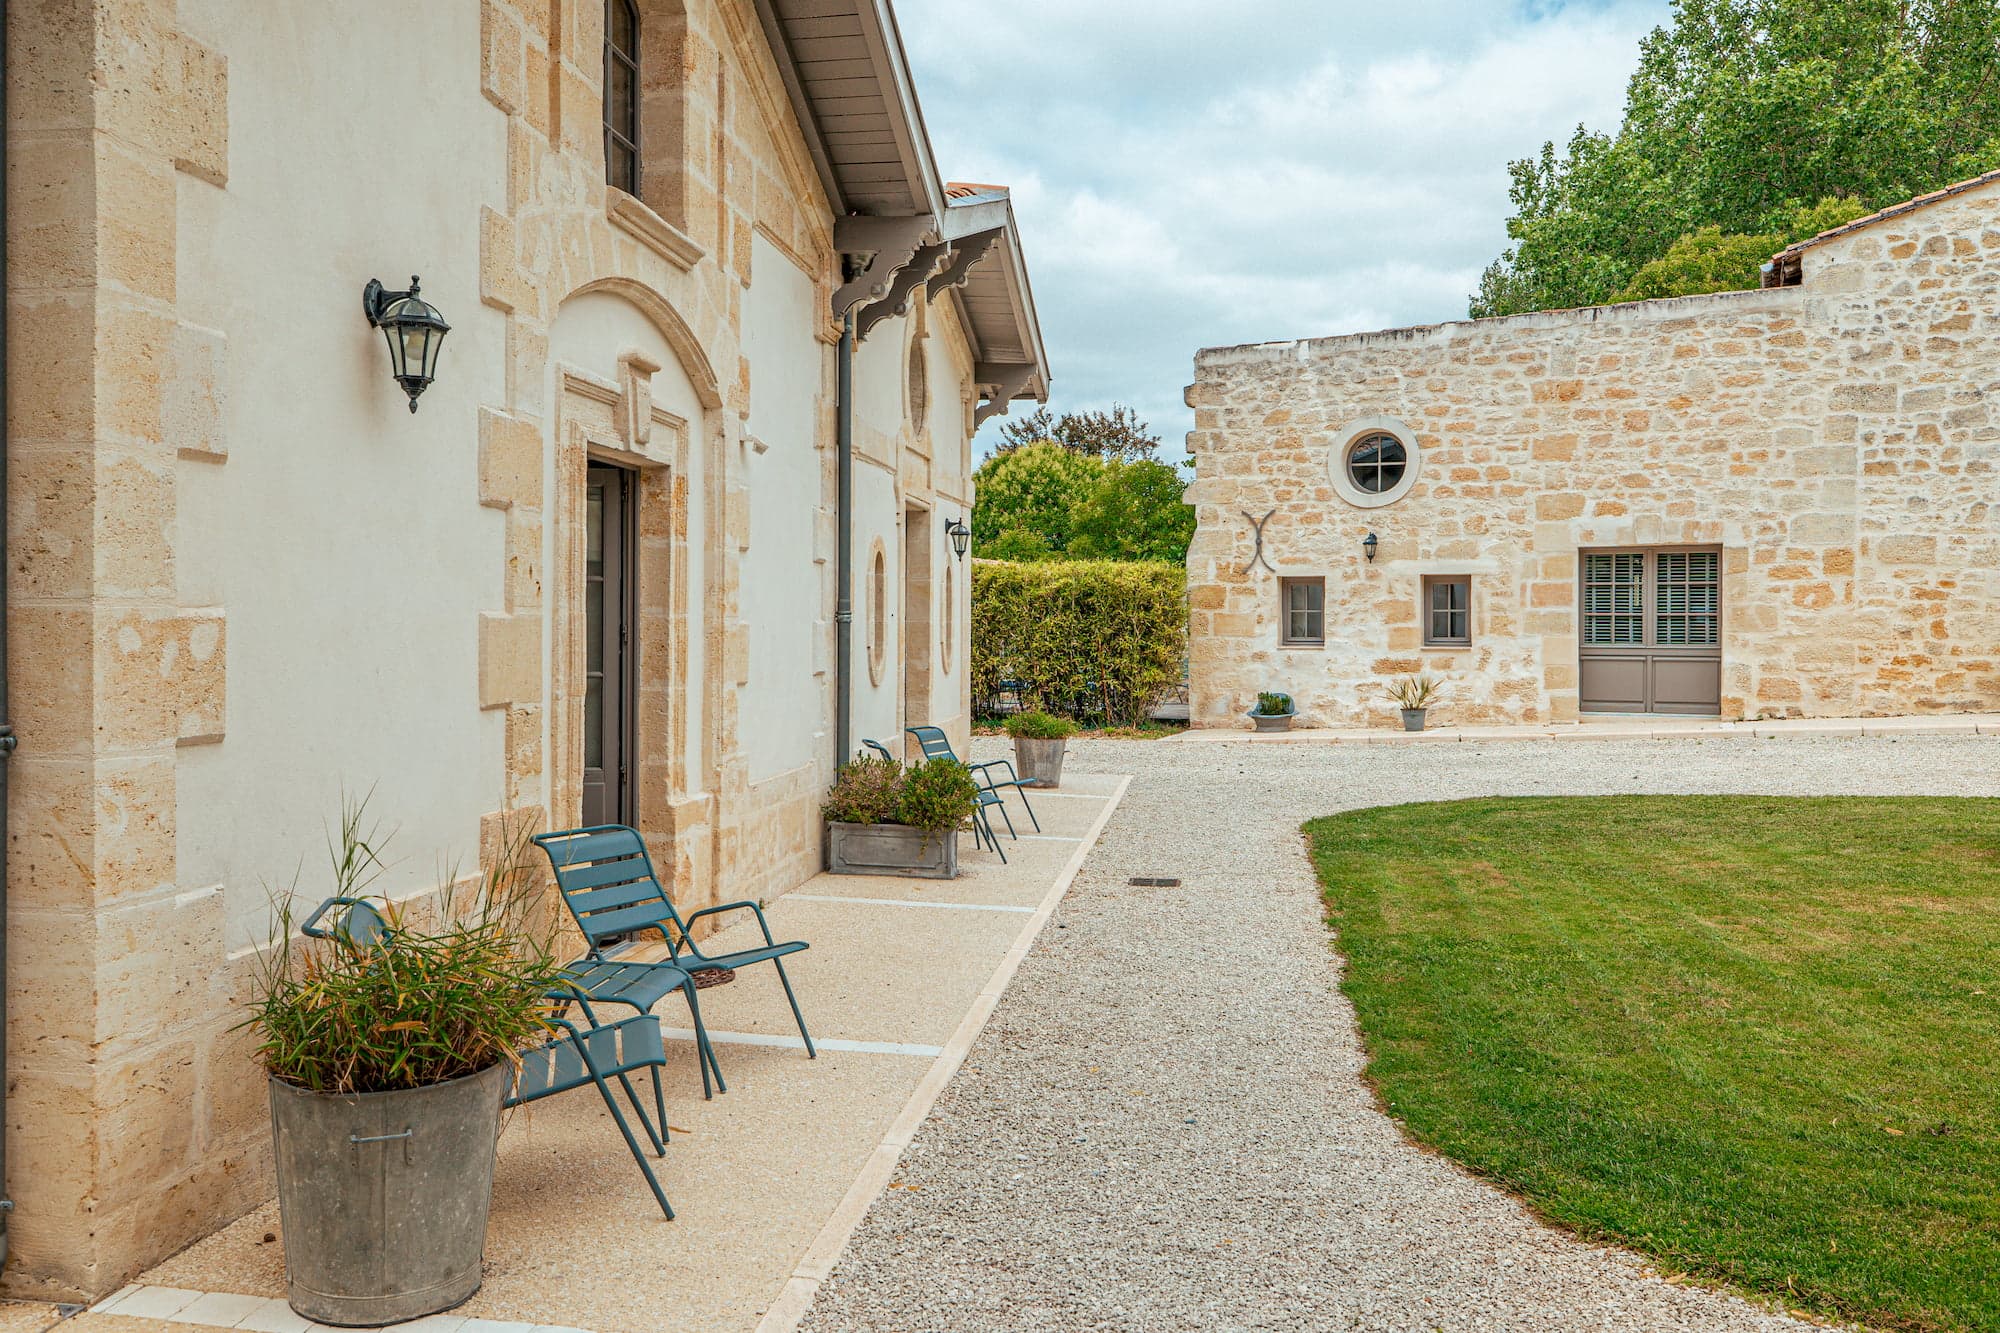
[
  {"x": 6, "y": 716},
  {"x": 843, "y": 612}
]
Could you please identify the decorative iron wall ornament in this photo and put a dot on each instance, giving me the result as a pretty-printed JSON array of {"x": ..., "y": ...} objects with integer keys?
[{"x": 1257, "y": 557}]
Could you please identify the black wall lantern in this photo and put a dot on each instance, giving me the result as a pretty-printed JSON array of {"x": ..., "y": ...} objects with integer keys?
[
  {"x": 415, "y": 331},
  {"x": 1368, "y": 545},
  {"x": 961, "y": 536}
]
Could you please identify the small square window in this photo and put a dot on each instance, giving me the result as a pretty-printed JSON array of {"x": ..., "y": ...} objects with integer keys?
[
  {"x": 1447, "y": 610},
  {"x": 1302, "y": 602}
]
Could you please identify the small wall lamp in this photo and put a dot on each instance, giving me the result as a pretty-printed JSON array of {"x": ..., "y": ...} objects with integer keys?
[
  {"x": 961, "y": 536},
  {"x": 414, "y": 329},
  {"x": 1368, "y": 545}
]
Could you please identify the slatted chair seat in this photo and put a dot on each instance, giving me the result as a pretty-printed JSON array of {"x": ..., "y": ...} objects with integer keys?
[
  {"x": 606, "y": 879},
  {"x": 590, "y": 1055}
]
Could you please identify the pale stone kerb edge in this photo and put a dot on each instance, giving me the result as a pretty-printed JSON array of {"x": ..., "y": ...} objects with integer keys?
[
  {"x": 1340, "y": 441},
  {"x": 788, "y": 1311}
]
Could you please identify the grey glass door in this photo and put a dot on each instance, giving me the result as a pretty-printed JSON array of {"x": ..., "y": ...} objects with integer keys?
[{"x": 610, "y": 645}]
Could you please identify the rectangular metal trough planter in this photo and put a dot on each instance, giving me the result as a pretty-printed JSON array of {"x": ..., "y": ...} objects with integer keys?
[{"x": 891, "y": 849}]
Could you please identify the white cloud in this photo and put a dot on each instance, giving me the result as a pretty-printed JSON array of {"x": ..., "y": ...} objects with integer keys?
[{"x": 1189, "y": 174}]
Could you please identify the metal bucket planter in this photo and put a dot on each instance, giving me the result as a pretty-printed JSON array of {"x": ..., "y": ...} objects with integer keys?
[
  {"x": 891, "y": 849},
  {"x": 1039, "y": 762},
  {"x": 384, "y": 1195},
  {"x": 1273, "y": 721},
  {"x": 1413, "y": 719}
]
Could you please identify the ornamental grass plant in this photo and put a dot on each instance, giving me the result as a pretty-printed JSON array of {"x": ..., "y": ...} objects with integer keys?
[{"x": 456, "y": 985}]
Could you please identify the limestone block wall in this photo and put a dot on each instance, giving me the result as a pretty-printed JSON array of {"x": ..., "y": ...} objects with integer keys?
[
  {"x": 1834, "y": 439},
  {"x": 243, "y": 575}
]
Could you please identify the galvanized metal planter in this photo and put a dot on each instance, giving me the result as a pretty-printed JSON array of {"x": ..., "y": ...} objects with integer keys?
[
  {"x": 891, "y": 849},
  {"x": 1039, "y": 762},
  {"x": 1272, "y": 721},
  {"x": 384, "y": 1195},
  {"x": 1413, "y": 719}
]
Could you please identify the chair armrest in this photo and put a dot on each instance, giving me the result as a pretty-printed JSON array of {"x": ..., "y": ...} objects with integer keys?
[
  {"x": 762, "y": 924},
  {"x": 985, "y": 764},
  {"x": 310, "y": 926}
]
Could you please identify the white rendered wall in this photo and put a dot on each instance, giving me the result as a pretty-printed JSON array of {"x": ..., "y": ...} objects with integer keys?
[
  {"x": 590, "y": 333},
  {"x": 782, "y": 723},
  {"x": 877, "y": 703},
  {"x": 342, "y": 536}
]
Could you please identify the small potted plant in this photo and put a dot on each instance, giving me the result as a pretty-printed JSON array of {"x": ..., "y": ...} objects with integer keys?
[
  {"x": 1413, "y": 695},
  {"x": 884, "y": 819},
  {"x": 1039, "y": 742},
  {"x": 1274, "y": 712},
  {"x": 387, "y": 1055}
]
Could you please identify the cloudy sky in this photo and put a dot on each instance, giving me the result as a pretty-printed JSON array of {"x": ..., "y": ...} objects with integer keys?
[{"x": 1191, "y": 174}]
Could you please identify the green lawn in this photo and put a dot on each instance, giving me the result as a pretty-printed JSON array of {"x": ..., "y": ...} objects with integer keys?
[{"x": 1756, "y": 1038}]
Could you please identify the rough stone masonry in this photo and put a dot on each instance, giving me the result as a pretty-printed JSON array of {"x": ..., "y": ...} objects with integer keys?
[{"x": 1831, "y": 443}]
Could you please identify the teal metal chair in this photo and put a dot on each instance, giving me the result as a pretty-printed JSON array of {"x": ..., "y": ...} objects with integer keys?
[
  {"x": 607, "y": 881},
  {"x": 982, "y": 824},
  {"x": 576, "y": 1056},
  {"x": 936, "y": 745}
]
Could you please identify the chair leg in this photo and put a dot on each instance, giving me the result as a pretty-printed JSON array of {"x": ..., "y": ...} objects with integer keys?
[
  {"x": 704, "y": 1049},
  {"x": 1022, "y": 792},
  {"x": 1001, "y": 806},
  {"x": 652, "y": 1181},
  {"x": 657, "y": 1138},
  {"x": 797, "y": 1017},
  {"x": 992, "y": 841}
]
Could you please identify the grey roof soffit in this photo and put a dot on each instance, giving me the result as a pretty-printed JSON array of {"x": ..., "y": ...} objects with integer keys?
[{"x": 845, "y": 71}]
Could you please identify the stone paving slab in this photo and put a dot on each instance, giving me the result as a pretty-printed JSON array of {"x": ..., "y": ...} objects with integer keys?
[{"x": 767, "y": 1180}]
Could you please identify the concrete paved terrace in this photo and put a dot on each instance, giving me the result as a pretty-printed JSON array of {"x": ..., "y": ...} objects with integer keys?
[{"x": 768, "y": 1180}]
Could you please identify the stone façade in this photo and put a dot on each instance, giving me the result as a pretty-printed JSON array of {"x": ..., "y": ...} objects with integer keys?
[{"x": 1836, "y": 439}]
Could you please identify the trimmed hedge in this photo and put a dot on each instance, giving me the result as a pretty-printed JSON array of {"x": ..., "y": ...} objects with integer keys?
[{"x": 1095, "y": 640}]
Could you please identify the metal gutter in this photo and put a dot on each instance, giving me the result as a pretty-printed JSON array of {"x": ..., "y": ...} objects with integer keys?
[
  {"x": 6, "y": 716},
  {"x": 843, "y": 613}
]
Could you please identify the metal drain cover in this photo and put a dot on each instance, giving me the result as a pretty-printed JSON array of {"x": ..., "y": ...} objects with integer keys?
[{"x": 1153, "y": 882}]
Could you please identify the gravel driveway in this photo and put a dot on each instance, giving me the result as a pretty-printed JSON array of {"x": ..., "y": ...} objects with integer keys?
[{"x": 1164, "y": 1125}]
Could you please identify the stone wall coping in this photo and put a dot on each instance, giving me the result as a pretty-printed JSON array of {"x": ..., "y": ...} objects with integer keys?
[{"x": 1666, "y": 308}]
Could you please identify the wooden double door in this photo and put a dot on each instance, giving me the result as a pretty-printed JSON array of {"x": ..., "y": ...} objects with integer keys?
[{"x": 1651, "y": 638}]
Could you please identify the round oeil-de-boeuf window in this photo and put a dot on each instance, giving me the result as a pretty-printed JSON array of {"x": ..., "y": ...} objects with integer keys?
[
  {"x": 1373, "y": 461},
  {"x": 1376, "y": 463}
]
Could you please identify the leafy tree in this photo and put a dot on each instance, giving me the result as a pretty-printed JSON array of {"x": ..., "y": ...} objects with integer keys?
[
  {"x": 1115, "y": 434},
  {"x": 1133, "y": 511},
  {"x": 1029, "y": 493},
  {"x": 1712, "y": 260},
  {"x": 1018, "y": 544},
  {"x": 1041, "y": 501},
  {"x": 1740, "y": 112}
]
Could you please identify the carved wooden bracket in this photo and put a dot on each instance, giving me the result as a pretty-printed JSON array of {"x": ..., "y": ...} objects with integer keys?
[
  {"x": 889, "y": 243},
  {"x": 908, "y": 279},
  {"x": 965, "y": 252},
  {"x": 998, "y": 383}
]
